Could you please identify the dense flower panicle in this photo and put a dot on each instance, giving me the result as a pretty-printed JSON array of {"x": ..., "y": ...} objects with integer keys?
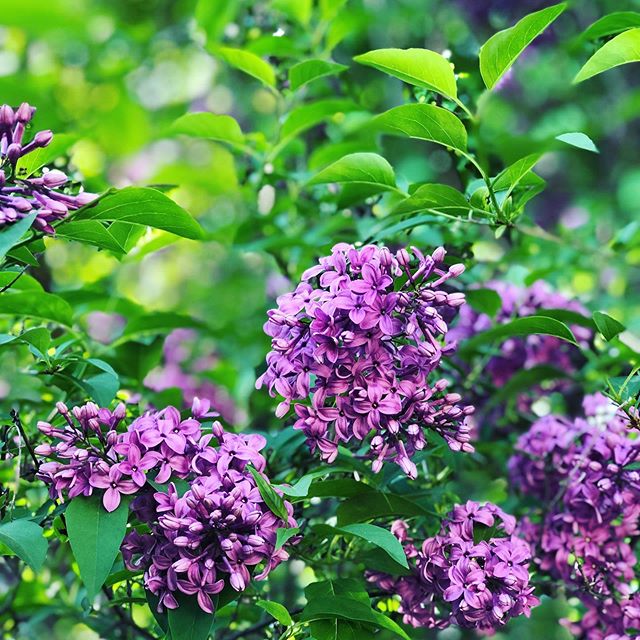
[
  {"x": 521, "y": 353},
  {"x": 218, "y": 529},
  {"x": 184, "y": 367},
  {"x": 355, "y": 349},
  {"x": 48, "y": 195},
  {"x": 474, "y": 573},
  {"x": 584, "y": 474}
]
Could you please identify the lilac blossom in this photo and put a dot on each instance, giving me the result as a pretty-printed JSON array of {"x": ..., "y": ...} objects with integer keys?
[
  {"x": 217, "y": 530},
  {"x": 49, "y": 193},
  {"x": 474, "y": 573},
  {"x": 584, "y": 475},
  {"x": 356, "y": 351}
]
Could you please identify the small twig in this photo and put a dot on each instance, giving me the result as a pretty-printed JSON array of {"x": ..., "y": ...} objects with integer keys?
[{"x": 17, "y": 423}]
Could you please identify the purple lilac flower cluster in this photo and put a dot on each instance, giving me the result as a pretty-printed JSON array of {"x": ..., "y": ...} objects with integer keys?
[
  {"x": 184, "y": 364},
  {"x": 474, "y": 573},
  {"x": 521, "y": 353},
  {"x": 361, "y": 335},
  {"x": 584, "y": 474},
  {"x": 219, "y": 528},
  {"x": 48, "y": 195}
]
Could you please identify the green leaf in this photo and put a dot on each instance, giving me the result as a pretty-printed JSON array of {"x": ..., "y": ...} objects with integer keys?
[
  {"x": 352, "y": 610},
  {"x": 12, "y": 234},
  {"x": 529, "y": 325},
  {"x": 24, "y": 537},
  {"x": 623, "y": 49},
  {"x": 377, "y": 504},
  {"x": 208, "y": 125},
  {"x": 611, "y": 24},
  {"x": 523, "y": 380},
  {"x": 424, "y": 122},
  {"x": 312, "y": 114},
  {"x": 284, "y": 535},
  {"x": 95, "y": 536},
  {"x": 510, "y": 178},
  {"x": 309, "y": 70},
  {"x": 419, "y": 67},
  {"x": 36, "y": 304},
  {"x": 485, "y": 301},
  {"x": 271, "y": 498},
  {"x": 433, "y": 196},
  {"x": 360, "y": 168},
  {"x": 102, "y": 388},
  {"x": 276, "y": 611},
  {"x": 188, "y": 621},
  {"x": 31, "y": 162},
  {"x": 377, "y": 536},
  {"x": 501, "y": 50},
  {"x": 160, "y": 322},
  {"x": 607, "y": 326},
  {"x": 247, "y": 62},
  {"x": 143, "y": 206},
  {"x": 91, "y": 232},
  {"x": 579, "y": 140}
]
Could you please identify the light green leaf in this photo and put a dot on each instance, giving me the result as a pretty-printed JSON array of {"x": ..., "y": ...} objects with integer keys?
[
  {"x": 299, "y": 10},
  {"x": 359, "y": 168},
  {"x": 276, "y": 611},
  {"x": 143, "y": 206},
  {"x": 160, "y": 322},
  {"x": 511, "y": 176},
  {"x": 579, "y": 140},
  {"x": 188, "y": 621},
  {"x": 623, "y": 49},
  {"x": 501, "y": 50},
  {"x": 609, "y": 327},
  {"x": 95, "y": 536},
  {"x": 102, "y": 388},
  {"x": 309, "y": 70},
  {"x": 312, "y": 114},
  {"x": 611, "y": 24},
  {"x": 271, "y": 498},
  {"x": 419, "y": 67},
  {"x": 529, "y": 325},
  {"x": 284, "y": 535},
  {"x": 31, "y": 162},
  {"x": 91, "y": 232},
  {"x": 434, "y": 196},
  {"x": 424, "y": 122},
  {"x": 208, "y": 125},
  {"x": 247, "y": 62},
  {"x": 12, "y": 234},
  {"x": 36, "y": 304},
  {"x": 24, "y": 537}
]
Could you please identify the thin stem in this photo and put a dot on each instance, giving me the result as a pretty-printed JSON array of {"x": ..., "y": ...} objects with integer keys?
[{"x": 17, "y": 423}]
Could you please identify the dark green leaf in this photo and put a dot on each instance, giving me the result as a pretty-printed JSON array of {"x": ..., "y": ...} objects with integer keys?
[
  {"x": 501, "y": 50},
  {"x": 271, "y": 498},
  {"x": 424, "y": 122},
  {"x": 284, "y": 535},
  {"x": 510, "y": 178},
  {"x": 161, "y": 322},
  {"x": 143, "y": 206},
  {"x": 12, "y": 233},
  {"x": 36, "y": 304},
  {"x": 24, "y": 537},
  {"x": 607, "y": 326},
  {"x": 485, "y": 301},
  {"x": 612, "y": 24},
  {"x": 420, "y": 67},
  {"x": 309, "y": 115},
  {"x": 440, "y": 197},
  {"x": 309, "y": 70},
  {"x": 188, "y": 621},
  {"x": 623, "y": 49},
  {"x": 92, "y": 232},
  {"x": 95, "y": 536},
  {"x": 377, "y": 504},
  {"x": 102, "y": 388}
]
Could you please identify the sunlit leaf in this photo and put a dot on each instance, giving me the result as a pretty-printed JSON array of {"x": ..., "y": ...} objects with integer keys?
[
  {"x": 307, "y": 71},
  {"x": 611, "y": 24},
  {"x": 623, "y": 49},
  {"x": 209, "y": 125},
  {"x": 248, "y": 62},
  {"x": 36, "y": 304},
  {"x": 361, "y": 168}
]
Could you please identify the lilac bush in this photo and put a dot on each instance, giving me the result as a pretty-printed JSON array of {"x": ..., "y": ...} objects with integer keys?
[
  {"x": 193, "y": 541},
  {"x": 356, "y": 350},
  {"x": 474, "y": 573},
  {"x": 49, "y": 195},
  {"x": 584, "y": 474}
]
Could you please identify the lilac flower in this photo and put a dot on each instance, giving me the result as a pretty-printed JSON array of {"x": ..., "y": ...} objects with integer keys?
[
  {"x": 220, "y": 531},
  {"x": 455, "y": 580},
  {"x": 49, "y": 195},
  {"x": 583, "y": 475},
  {"x": 356, "y": 350}
]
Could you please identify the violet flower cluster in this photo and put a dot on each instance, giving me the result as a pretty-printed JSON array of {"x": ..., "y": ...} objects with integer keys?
[
  {"x": 216, "y": 530},
  {"x": 185, "y": 364},
  {"x": 48, "y": 195},
  {"x": 356, "y": 348},
  {"x": 522, "y": 353},
  {"x": 474, "y": 573},
  {"x": 585, "y": 476}
]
